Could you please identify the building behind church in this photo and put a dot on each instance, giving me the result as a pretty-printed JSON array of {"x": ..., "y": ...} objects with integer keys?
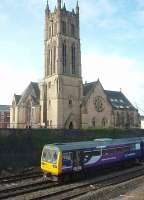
[
  {"x": 4, "y": 116},
  {"x": 61, "y": 100}
]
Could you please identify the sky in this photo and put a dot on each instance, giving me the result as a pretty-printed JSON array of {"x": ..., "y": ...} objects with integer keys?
[{"x": 112, "y": 38}]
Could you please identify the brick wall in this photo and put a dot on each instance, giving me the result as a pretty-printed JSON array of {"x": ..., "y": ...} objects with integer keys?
[{"x": 4, "y": 119}]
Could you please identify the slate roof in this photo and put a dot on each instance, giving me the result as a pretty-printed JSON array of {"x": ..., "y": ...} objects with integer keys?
[
  {"x": 118, "y": 100},
  {"x": 17, "y": 98},
  {"x": 87, "y": 87},
  {"x": 4, "y": 108},
  {"x": 33, "y": 91}
]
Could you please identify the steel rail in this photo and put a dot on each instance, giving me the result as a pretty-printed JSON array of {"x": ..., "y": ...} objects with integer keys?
[
  {"x": 19, "y": 177},
  {"x": 26, "y": 188}
]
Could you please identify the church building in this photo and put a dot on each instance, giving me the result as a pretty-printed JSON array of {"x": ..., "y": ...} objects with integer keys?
[{"x": 61, "y": 100}]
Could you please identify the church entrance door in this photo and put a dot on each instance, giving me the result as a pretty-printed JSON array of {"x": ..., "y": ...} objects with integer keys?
[{"x": 71, "y": 125}]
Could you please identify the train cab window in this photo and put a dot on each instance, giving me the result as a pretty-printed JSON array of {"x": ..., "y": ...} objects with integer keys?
[
  {"x": 44, "y": 155},
  {"x": 47, "y": 155},
  {"x": 54, "y": 156}
]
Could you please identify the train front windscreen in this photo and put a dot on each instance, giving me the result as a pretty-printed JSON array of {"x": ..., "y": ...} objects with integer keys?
[{"x": 49, "y": 155}]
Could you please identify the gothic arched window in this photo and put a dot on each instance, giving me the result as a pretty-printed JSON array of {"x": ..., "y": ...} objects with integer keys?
[
  {"x": 54, "y": 59},
  {"x": 51, "y": 62},
  {"x": 64, "y": 57},
  {"x": 48, "y": 62},
  {"x": 49, "y": 32},
  {"x": 63, "y": 27},
  {"x": 93, "y": 122},
  {"x": 72, "y": 30},
  {"x": 55, "y": 28},
  {"x": 73, "y": 58}
]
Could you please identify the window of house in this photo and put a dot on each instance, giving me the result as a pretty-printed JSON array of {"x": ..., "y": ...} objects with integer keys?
[{"x": 50, "y": 122}]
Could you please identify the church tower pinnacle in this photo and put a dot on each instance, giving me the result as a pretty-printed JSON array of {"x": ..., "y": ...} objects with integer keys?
[
  {"x": 77, "y": 8},
  {"x": 47, "y": 10},
  {"x": 59, "y": 4}
]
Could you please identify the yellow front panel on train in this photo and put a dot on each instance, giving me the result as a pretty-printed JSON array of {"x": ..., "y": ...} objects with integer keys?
[
  {"x": 52, "y": 168},
  {"x": 49, "y": 168}
]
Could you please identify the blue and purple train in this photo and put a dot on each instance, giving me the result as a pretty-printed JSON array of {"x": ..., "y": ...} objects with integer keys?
[{"x": 64, "y": 159}]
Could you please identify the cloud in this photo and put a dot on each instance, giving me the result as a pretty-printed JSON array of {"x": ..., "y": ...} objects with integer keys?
[
  {"x": 140, "y": 4},
  {"x": 15, "y": 79},
  {"x": 3, "y": 19},
  {"x": 93, "y": 10},
  {"x": 115, "y": 72}
]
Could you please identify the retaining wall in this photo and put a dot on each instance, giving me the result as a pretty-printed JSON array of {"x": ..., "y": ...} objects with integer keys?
[{"x": 20, "y": 148}]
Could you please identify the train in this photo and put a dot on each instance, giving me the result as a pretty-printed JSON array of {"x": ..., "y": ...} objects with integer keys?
[{"x": 64, "y": 160}]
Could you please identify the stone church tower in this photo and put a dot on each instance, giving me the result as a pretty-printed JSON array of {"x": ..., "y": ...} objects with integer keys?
[{"x": 61, "y": 89}]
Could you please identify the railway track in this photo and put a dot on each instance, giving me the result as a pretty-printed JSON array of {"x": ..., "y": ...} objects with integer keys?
[
  {"x": 26, "y": 188},
  {"x": 54, "y": 191},
  {"x": 20, "y": 177},
  {"x": 81, "y": 189}
]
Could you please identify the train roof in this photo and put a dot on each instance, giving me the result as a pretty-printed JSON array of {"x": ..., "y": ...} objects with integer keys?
[{"x": 97, "y": 143}]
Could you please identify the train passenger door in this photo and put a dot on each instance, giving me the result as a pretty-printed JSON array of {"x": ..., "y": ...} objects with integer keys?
[{"x": 77, "y": 161}]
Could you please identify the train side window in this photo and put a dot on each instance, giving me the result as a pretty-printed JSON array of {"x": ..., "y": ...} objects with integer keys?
[
  {"x": 95, "y": 153},
  {"x": 104, "y": 152},
  {"x": 67, "y": 156},
  {"x": 134, "y": 147},
  {"x": 137, "y": 146},
  {"x": 123, "y": 149},
  {"x": 86, "y": 156},
  {"x": 126, "y": 149},
  {"x": 111, "y": 151},
  {"x": 120, "y": 150}
]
